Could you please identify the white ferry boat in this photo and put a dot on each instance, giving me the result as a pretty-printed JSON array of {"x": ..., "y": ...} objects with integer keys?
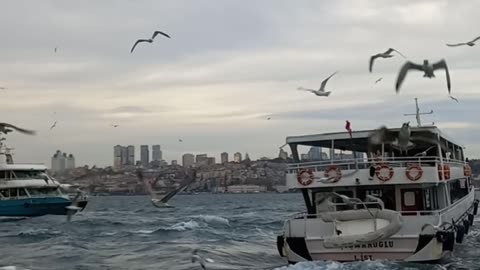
[
  {"x": 411, "y": 206},
  {"x": 26, "y": 190}
]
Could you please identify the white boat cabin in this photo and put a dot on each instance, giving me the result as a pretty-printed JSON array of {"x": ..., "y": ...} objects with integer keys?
[{"x": 431, "y": 175}]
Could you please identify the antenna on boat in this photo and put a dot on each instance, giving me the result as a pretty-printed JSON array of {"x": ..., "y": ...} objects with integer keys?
[{"x": 418, "y": 113}]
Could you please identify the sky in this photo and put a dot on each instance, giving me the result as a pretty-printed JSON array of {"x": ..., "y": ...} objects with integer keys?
[{"x": 228, "y": 66}]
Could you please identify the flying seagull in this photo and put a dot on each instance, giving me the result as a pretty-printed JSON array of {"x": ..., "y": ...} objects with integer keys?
[
  {"x": 378, "y": 80},
  {"x": 54, "y": 125},
  {"x": 200, "y": 259},
  {"x": 2, "y": 88},
  {"x": 180, "y": 140},
  {"x": 161, "y": 33},
  {"x": 115, "y": 126},
  {"x": 268, "y": 118},
  {"x": 55, "y": 50},
  {"x": 73, "y": 208},
  {"x": 427, "y": 68},
  {"x": 454, "y": 98},
  {"x": 469, "y": 43},
  {"x": 321, "y": 91},
  {"x": 5, "y": 128},
  {"x": 140, "y": 40},
  {"x": 386, "y": 54}
]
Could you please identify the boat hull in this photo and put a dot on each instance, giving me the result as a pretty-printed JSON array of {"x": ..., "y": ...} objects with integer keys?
[{"x": 30, "y": 207}]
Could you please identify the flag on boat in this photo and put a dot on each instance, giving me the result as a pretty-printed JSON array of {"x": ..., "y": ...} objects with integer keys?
[{"x": 347, "y": 127}]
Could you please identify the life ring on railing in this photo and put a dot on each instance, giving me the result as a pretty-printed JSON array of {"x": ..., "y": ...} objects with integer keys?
[
  {"x": 338, "y": 173},
  {"x": 384, "y": 172},
  {"x": 443, "y": 172},
  {"x": 414, "y": 172},
  {"x": 305, "y": 177},
  {"x": 467, "y": 170}
]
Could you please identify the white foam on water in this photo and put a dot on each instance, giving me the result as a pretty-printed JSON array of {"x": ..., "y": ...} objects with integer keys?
[
  {"x": 12, "y": 267},
  {"x": 183, "y": 226},
  {"x": 213, "y": 219},
  {"x": 143, "y": 231}
]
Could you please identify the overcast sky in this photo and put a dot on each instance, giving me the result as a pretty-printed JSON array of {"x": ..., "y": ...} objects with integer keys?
[{"x": 228, "y": 66}]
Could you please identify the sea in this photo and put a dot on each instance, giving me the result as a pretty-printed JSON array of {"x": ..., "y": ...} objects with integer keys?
[{"x": 236, "y": 231}]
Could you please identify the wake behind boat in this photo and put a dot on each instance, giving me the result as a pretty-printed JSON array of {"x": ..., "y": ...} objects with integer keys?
[{"x": 398, "y": 205}]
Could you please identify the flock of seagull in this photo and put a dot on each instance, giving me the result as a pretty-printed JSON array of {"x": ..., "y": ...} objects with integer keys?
[{"x": 426, "y": 67}]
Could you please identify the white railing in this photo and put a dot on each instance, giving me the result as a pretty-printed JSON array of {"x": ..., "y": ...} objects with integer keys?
[{"x": 351, "y": 164}]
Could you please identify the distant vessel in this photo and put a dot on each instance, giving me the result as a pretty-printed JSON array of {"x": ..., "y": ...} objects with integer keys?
[
  {"x": 391, "y": 206},
  {"x": 26, "y": 189}
]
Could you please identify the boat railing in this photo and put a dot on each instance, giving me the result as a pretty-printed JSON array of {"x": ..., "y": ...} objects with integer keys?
[{"x": 351, "y": 164}]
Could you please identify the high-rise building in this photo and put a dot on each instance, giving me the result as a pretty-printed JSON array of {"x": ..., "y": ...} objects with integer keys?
[
  {"x": 144, "y": 155},
  {"x": 283, "y": 154},
  {"x": 130, "y": 155},
  {"x": 117, "y": 156},
  {"x": 237, "y": 157},
  {"x": 62, "y": 162},
  {"x": 174, "y": 162},
  {"x": 315, "y": 153},
  {"x": 211, "y": 161},
  {"x": 247, "y": 157},
  {"x": 188, "y": 160},
  {"x": 70, "y": 162},
  {"x": 156, "y": 153},
  {"x": 224, "y": 157},
  {"x": 124, "y": 156},
  {"x": 201, "y": 159}
]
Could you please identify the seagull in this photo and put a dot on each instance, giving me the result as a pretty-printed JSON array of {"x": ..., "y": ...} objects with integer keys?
[
  {"x": 469, "y": 43},
  {"x": 140, "y": 40},
  {"x": 54, "y": 125},
  {"x": 386, "y": 54},
  {"x": 180, "y": 140},
  {"x": 454, "y": 98},
  {"x": 200, "y": 259},
  {"x": 378, "y": 80},
  {"x": 5, "y": 128},
  {"x": 269, "y": 118},
  {"x": 321, "y": 91},
  {"x": 2, "y": 88},
  {"x": 159, "y": 32},
  {"x": 427, "y": 68},
  {"x": 55, "y": 50},
  {"x": 73, "y": 207},
  {"x": 114, "y": 126}
]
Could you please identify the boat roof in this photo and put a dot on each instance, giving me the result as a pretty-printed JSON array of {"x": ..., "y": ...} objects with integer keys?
[
  {"x": 23, "y": 167},
  {"x": 361, "y": 134}
]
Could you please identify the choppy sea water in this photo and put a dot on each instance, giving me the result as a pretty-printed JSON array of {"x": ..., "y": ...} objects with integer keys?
[{"x": 237, "y": 231}]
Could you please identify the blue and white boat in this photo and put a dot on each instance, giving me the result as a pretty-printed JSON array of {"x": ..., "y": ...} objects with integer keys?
[{"x": 27, "y": 190}]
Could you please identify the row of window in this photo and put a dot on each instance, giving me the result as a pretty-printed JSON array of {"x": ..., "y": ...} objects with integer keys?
[
  {"x": 412, "y": 199},
  {"x": 23, "y": 174},
  {"x": 7, "y": 193}
]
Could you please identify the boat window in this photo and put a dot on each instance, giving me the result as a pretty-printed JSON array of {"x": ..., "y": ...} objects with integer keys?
[
  {"x": 21, "y": 192},
  {"x": 2, "y": 174},
  {"x": 412, "y": 200},
  {"x": 29, "y": 174},
  {"x": 385, "y": 193},
  {"x": 343, "y": 206},
  {"x": 5, "y": 193},
  {"x": 430, "y": 199},
  {"x": 458, "y": 189}
]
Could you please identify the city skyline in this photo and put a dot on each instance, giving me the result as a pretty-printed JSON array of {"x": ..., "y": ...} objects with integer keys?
[{"x": 215, "y": 95}]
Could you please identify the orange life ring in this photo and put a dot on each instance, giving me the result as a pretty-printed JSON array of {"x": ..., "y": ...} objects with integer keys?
[
  {"x": 443, "y": 173},
  {"x": 305, "y": 177},
  {"x": 467, "y": 170},
  {"x": 415, "y": 168},
  {"x": 338, "y": 173},
  {"x": 381, "y": 168}
]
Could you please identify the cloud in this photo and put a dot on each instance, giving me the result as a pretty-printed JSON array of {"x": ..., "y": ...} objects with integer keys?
[{"x": 221, "y": 75}]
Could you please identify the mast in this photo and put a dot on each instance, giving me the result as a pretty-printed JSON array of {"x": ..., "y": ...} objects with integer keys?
[{"x": 418, "y": 113}]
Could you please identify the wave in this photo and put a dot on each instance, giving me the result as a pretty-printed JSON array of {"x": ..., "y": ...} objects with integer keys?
[
  {"x": 39, "y": 232},
  {"x": 183, "y": 226},
  {"x": 213, "y": 219},
  {"x": 12, "y": 267}
]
